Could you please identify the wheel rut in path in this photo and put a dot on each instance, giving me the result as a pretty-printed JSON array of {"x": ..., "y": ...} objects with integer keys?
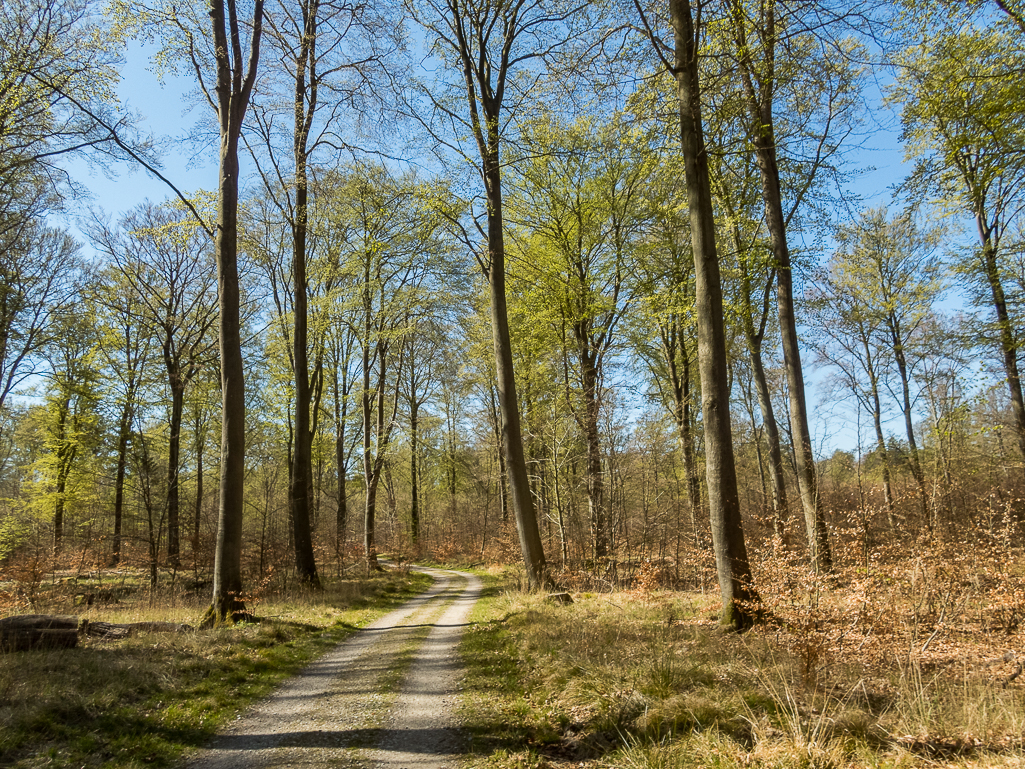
[{"x": 382, "y": 699}]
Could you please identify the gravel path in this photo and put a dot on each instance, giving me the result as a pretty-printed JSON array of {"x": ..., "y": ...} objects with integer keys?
[{"x": 382, "y": 699}]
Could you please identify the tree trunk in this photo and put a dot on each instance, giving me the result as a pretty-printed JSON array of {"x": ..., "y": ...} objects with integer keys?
[
  {"x": 596, "y": 503},
  {"x": 301, "y": 477},
  {"x": 1008, "y": 347},
  {"x": 379, "y": 429},
  {"x": 755, "y": 337},
  {"x": 815, "y": 522},
  {"x": 777, "y": 478},
  {"x": 414, "y": 487},
  {"x": 496, "y": 423},
  {"x": 234, "y": 85},
  {"x": 123, "y": 433},
  {"x": 877, "y": 422},
  {"x": 65, "y": 456},
  {"x": 674, "y": 349},
  {"x": 735, "y": 584},
  {"x": 198, "y": 517},
  {"x": 342, "y": 509},
  {"x": 38, "y": 631},
  {"x": 762, "y": 134},
  {"x": 177, "y": 387},
  {"x": 512, "y": 438},
  {"x": 909, "y": 426}
]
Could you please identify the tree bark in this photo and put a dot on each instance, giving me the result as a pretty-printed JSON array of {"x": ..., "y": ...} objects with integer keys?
[
  {"x": 234, "y": 85},
  {"x": 762, "y": 134},
  {"x": 597, "y": 506},
  {"x": 301, "y": 477},
  {"x": 342, "y": 509},
  {"x": 198, "y": 516},
  {"x": 900, "y": 358},
  {"x": 672, "y": 336},
  {"x": 414, "y": 483},
  {"x": 123, "y": 433},
  {"x": 733, "y": 569},
  {"x": 177, "y": 387},
  {"x": 505, "y": 382},
  {"x": 1008, "y": 348}
]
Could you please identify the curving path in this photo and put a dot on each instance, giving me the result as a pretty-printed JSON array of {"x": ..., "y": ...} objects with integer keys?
[{"x": 382, "y": 699}]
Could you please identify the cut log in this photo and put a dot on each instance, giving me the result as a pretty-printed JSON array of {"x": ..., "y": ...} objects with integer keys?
[{"x": 38, "y": 631}]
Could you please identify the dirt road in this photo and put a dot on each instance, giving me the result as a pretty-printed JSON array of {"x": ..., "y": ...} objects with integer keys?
[{"x": 382, "y": 699}]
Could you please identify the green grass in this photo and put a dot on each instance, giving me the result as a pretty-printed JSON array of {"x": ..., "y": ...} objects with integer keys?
[
  {"x": 145, "y": 700},
  {"x": 646, "y": 681}
]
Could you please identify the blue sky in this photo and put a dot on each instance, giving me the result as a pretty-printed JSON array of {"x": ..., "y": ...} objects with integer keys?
[{"x": 168, "y": 112}]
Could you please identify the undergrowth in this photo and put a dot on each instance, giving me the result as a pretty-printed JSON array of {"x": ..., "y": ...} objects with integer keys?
[{"x": 646, "y": 679}]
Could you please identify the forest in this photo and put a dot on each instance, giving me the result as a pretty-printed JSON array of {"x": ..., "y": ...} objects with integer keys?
[{"x": 570, "y": 285}]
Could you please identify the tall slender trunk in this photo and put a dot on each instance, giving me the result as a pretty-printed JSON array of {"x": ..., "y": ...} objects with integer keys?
[
  {"x": 342, "y": 509},
  {"x": 123, "y": 434},
  {"x": 65, "y": 455},
  {"x": 371, "y": 474},
  {"x": 301, "y": 476},
  {"x": 685, "y": 427},
  {"x": 414, "y": 479},
  {"x": 505, "y": 383},
  {"x": 377, "y": 430},
  {"x": 227, "y": 589},
  {"x": 917, "y": 473},
  {"x": 777, "y": 478},
  {"x": 174, "y": 469},
  {"x": 762, "y": 135},
  {"x": 674, "y": 350},
  {"x": 198, "y": 517},
  {"x": 732, "y": 567},
  {"x": 1008, "y": 346},
  {"x": 596, "y": 503},
  {"x": 755, "y": 336},
  {"x": 877, "y": 423},
  {"x": 234, "y": 83},
  {"x": 496, "y": 423},
  {"x": 815, "y": 522}
]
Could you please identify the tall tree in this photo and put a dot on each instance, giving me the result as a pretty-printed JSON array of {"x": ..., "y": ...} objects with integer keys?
[
  {"x": 164, "y": 257},
  {"x": 71, "y": 409},
  {"x": 37, "y": 269},
  {"x": 772, "y": 42},
  {"x": 734, "y": 571},
  {"x": 576, "y": 205},
  {"x": 890, "y": 264},
  {"x": 959, "y": 94},
  {"x": 126, "y": 349},
  {"x": 388, "y": 238},
  {"x": 321, "y": 48},
  {"x": 496, "y": 52}
]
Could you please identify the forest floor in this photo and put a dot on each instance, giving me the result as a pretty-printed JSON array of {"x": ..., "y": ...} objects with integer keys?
[
  {"x": 647, "y": 679},
  {"x": 862, "y": 670},
  {"x": 154, "y": 699}
]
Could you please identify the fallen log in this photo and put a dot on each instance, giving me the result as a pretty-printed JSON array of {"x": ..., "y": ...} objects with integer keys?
[
  {"x": 38, "y": 631},
  {"x": 108, "y": 631},
  {"x": 45, "y": 631}
]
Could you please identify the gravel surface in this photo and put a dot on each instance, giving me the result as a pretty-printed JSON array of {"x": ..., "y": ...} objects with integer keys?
[{"x": 383, "y": 698}]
